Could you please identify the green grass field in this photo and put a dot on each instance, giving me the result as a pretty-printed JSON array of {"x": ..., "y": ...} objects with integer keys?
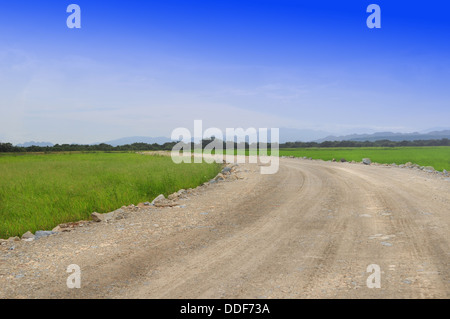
[
  {"x": 438, "y": 157},
  {"x": 38, "y": 192}
]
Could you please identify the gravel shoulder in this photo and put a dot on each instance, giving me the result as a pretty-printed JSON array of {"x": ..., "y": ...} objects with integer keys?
[{"x": 309, "y": 231}]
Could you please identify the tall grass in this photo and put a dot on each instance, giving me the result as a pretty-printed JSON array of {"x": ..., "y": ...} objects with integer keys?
[{"x": 38, "y": 192}]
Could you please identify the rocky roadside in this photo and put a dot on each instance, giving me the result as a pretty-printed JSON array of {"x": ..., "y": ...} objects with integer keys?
[
  {"x": 228, "y": 173},
  {"x": 366, "y": 161},
  {"x": 35, "y": 266}
]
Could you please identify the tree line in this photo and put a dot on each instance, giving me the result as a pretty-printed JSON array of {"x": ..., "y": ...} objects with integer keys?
[{"x": 10, "y": 148}]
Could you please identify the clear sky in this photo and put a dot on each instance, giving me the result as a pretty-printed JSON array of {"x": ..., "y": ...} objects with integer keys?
[{"x": 143, "y": 68}]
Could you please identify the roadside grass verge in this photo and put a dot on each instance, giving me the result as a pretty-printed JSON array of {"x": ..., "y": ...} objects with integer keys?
[
  {"x": 39, "y": 192},
  {"x": 436, "y": 156}
]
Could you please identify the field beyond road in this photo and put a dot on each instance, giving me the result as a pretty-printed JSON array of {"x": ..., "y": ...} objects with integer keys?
[
  {"x": 38, "y": 192},
  {"x": 436, "y": 156}
]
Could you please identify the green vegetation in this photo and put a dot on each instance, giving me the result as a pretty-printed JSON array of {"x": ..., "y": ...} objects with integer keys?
[
  {"x": 379, "y": 143},
  {"x": 38, "y": 192},
  {"x": 9, "y": 148},
  {"x": 438, "y": 157}
]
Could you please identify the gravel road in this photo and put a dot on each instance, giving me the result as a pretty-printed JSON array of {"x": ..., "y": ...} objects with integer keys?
[{"x": 309, "y": 231}]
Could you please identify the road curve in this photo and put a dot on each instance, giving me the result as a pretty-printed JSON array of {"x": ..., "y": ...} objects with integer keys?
[{"x": 309, "y": 231}]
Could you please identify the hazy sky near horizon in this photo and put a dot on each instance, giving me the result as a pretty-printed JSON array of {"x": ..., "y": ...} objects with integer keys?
[{"x": 144, "y": 68}]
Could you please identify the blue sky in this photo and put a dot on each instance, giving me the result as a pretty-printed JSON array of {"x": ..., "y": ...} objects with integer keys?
[{"x": 140, "y": 68}]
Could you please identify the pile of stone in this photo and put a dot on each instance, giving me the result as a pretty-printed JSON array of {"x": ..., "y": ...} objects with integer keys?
[
  {"x": 368, "y": 161},
  {"x": 28, "y": 236},
  {"x": 170, "y": 201},
  {"x": 227, "y": 173}
]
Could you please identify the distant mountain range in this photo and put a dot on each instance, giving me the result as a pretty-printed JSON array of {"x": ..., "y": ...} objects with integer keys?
[
  {"x": 396, "y": 137},
  {"x": 138, "y": 139},
  {"x": 121, "y": 141},
  {"x": 290, "y": 135},
  {"x": 303, "y": 135}
]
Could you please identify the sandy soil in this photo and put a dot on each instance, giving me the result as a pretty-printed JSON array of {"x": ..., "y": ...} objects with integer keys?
[{"x": 309, "y": 231}]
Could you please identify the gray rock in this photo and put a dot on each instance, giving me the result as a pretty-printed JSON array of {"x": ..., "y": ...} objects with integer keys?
[
  {"x": 158, "y": 199},
  {"x": 445, "y": 172},
  {"x": 173, "y": 196},
  {"x": 366, "y": 161},
  {"x": 28, "y": 235},
  {"x": 226, "y": 170},
  {"x": 57, "y": 229},
  {"x": 219, "y": 177},
  {"x": 41, "y": 234},
  {"x": 343, "y": 160},
  {"x": 117, "y": 214},
  {"x": 96, "y": 217},
  {"x": 147, "y": 203}
]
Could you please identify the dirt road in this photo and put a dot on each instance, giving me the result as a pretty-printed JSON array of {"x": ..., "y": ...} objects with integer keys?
[{"x": 310, "y": 231}]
